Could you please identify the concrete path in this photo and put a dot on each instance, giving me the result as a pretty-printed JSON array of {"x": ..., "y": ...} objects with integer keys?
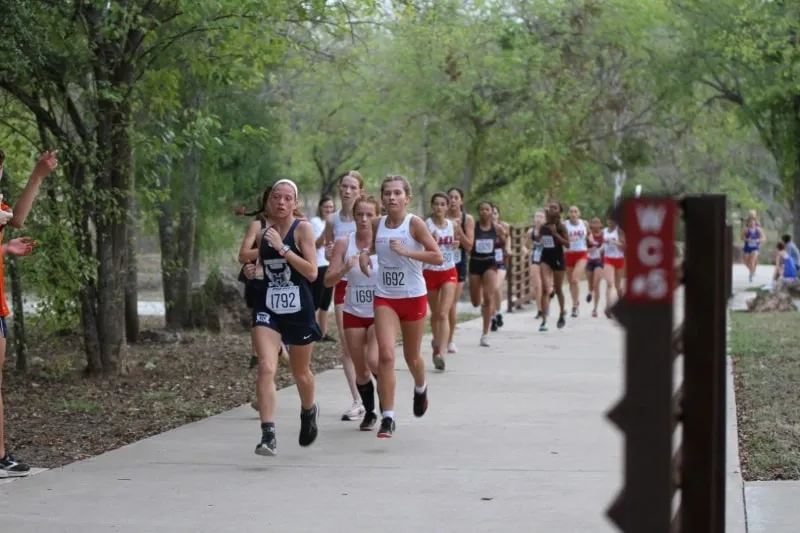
[{"x": 514, "y": 439}]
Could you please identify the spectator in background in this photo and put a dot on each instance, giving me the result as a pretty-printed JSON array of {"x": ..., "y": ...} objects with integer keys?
[
  {"x": 791, "y": 249},
  {"x": 785, "y": 267}
]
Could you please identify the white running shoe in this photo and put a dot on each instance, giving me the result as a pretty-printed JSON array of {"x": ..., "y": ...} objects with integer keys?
[
  {"x": 484, "y": 340},
  {"x": 355, "y": 412},
  {"x": 451, "y": 348}
]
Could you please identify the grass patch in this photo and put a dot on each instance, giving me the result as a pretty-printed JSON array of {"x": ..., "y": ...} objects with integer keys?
[
  {"x": 79, "y": 406},
  {"x": 766, "y": 354}
]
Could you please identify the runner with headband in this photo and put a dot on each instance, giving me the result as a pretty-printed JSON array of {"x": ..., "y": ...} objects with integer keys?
[{"x": 284, "y": 310}]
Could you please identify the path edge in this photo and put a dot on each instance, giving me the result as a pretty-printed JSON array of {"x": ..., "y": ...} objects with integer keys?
[{"x": 735, "y": 511}]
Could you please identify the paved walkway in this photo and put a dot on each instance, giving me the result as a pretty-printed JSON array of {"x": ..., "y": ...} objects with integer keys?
[{"x": 514, "y": 439}]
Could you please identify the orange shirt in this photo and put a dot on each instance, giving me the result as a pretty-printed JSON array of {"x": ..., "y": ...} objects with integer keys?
[{"x": 4, "y": 312}]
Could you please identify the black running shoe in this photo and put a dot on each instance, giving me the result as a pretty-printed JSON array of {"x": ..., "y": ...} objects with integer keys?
[
  {"x": 253, "y": 362},
  {"x": 387, "y": 428},
  {"x": 10, "y": 467},
  {"x": 589, "y": 298},
  {"x": 308, "y": 426},
  {"x": 494, "y": 324},
  {"x": 538, "y": 315},
  {"x": 561, "y": 322},
  {"x": 368, "y": 422},
  {"x": 499, "y": 320},
  {"x": 420, "y": 402},
  {"x": 268, "y": 447},
  {"x": 552, "y": 295}
]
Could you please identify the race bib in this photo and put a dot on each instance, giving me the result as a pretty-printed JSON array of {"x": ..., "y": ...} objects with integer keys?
[
  {"x": 283, "y": 300},
  {"x": 547, "y": 241},
  {"x": 484, "y": 246},
  {"x": 393, "y": 278},
  {"x": 537, "y": 254},
  {"x": 457, "y": 255},
  {"x": 448, "y": 257},
  {"x": 498, "y": 255},
  {"x": 360, "y": 295},
  {"x": 594, "y": 253}
]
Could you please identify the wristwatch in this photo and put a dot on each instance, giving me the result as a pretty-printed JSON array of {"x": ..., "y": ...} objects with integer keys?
[{"x": 283, "y": 251}]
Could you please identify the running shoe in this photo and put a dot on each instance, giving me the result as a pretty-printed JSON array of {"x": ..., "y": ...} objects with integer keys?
[
  {"x": 589, "y": 298},
  {"x": 494, "y": 324},
  {"x": 594, "y": 313},
  {"x": 355, "y": 412},
  {"x": 438, "y": 362},
  {"x": 420, "y": 402},
  {"x": 369, "y": 421},
  {"x": 308, "y": 426},
  {"x": 499, "y": 320},
  {"x": 484, "y": 340},
  {"x": 268, "y": 447},
  {"x": 451, "y": 348},
  {"x": 387, "y": 428},
  {"x": 543, "y": 326},
  {"x": 10, "y": 467},
  {"x": 574, "y": 312},
  {"x": 561, "y": 322}
]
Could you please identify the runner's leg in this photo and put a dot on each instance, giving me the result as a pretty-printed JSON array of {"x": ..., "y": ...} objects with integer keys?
[
  {"x": 575, "y": 284},
  {"x": 356, "y": 410},
  {"x": 487, "y": 284}
]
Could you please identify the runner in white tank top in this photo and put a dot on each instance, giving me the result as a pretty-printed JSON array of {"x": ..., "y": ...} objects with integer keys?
[
  {"x": 613, "y": 249},
  {"x": 577, "y": 255},
  {"x": 403, "y": 243},
  {"x": 357, "y": 310},
  {"x": 341, "y": 224},
  {"x": 442, "y": 281}
]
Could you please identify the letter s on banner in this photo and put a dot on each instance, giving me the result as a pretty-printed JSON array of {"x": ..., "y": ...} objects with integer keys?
[{"x": 649, "y": 225}]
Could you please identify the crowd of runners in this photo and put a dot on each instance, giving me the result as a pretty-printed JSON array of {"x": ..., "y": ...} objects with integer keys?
[{"x": 386, "y": 270}]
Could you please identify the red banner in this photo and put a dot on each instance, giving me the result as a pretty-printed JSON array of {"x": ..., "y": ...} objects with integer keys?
[{"x": 649, "y": 226}]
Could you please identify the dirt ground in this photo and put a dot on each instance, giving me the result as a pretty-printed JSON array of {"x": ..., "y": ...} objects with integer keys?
[{"x": 55, "y": 416}]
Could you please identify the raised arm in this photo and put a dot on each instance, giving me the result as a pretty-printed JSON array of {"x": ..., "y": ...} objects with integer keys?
[
  {"x": 47, "y": 162},
  {"x": 249, "y": 250},
  {"x": 307, "y": 264},
  {"x": 432, "y": 255},
  {"x": 337, "y": 268}
]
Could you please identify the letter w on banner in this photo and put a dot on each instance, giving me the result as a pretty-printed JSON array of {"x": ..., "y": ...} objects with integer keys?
[{"x": 649, "y": 225}]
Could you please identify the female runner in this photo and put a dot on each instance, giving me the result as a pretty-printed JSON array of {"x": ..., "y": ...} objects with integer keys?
[
  {"x": 501, "y": 254},
  {"x": 464, "y": 228},
  {"x": 594, "y": 267},
  {"x": 753, "y": 237},
  {"x": 403, "y": 243},
  {"x": 536, "y": 260},
  {"x": 284, "y": 310},
  {"x": 322, "y": 294},
  {"x": 613, "y": 260},
  {"x": 441, "y": 281},
  {"x": 340, "y": 224},
  {"x": 577, "y": 255},
  {"x": 554, "y": 237},
  {"x": 483, "y": 268},
  {"x": 358, "y": 315}
]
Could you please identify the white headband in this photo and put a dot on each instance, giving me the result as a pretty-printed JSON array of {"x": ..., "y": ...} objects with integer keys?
[{"x": 290, "y": 183}]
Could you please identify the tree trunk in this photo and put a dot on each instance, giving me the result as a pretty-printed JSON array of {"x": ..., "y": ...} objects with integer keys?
[
  {"x": 166, "y": 231},
  {"x": 18, "y": 321},
  {"x": 186, "y": 238},
  {"x": 194, "y": 271},
  {"x": 132, "y": 273},
  {"x": 114, "y": 153},
  {"x": 425, "y": 167},
  {"x": 473, "y": 158}
]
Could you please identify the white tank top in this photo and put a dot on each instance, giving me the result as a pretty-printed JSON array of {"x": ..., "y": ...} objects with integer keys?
[
  {"x": 611, "y": 250},
  {"x": 319, "y": 227},
  {"x": 400, "y": 277},
  {"x": 577, "y": 236},
  {"x": 342, "y": 228},
  {"x": 360, "y": 288},
  {"x": 445, "y": 238}
]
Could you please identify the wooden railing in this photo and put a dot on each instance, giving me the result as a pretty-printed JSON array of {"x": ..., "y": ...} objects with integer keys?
[
  {"x": 656, "y": 473},
  {"x": 519, "y": 290}
]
